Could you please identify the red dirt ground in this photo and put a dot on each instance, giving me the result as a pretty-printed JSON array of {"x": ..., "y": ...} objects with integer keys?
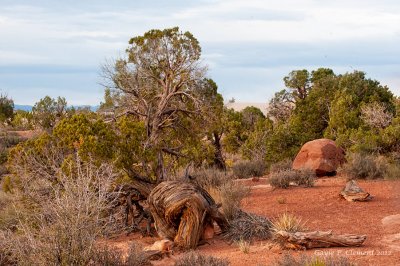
[{"x": 322, "y": 209}]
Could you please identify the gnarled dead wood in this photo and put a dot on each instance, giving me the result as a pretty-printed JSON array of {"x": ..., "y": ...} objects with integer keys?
[
  {"x": 317, "y": 239},
  {"x": 181, "y": 212},
  {"x": 352, "y": 192}
]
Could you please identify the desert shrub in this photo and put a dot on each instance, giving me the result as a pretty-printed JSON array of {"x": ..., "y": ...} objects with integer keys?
[
  {"x": 136, "y": 256},
  {"x": 229, "y": 195},
  {"x": 289, "y": 260},
  {"x": 305, "y": 177},
  {"x": 289, "y": 223},
  {"x": 392, "y": 171},
  {"x": 281, "y": 166},
  {"x": 107, "y": 257},
  {"x": 211, "y": 177},
  {"x": 282, "y": 179},
  {"x": 195, "y": 258},
  {"x": 246, "y": 169},
  {"x": 364, "y": 166},
  {"x": 247, "y": 226},
  {"x": 67, "y": 215}
]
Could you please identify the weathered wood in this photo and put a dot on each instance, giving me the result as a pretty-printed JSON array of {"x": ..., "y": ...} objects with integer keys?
[
  {"x": 352, "y": 192},
  {"x": 181, "y": 212},
  {"x": 317, "y": 239}
]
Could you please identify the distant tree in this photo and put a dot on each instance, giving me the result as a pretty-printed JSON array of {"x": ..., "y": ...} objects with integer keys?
[
  {"x": 47, "y": 112},
  {"x": 251, "y": 116},
  {"x": 158, "y": 82},
  {"x": 22, "y": 120},
  {"x": 280, "y": 107},
  {"x": 6, "y": 108},
  {"x": 299, "y": 81}
]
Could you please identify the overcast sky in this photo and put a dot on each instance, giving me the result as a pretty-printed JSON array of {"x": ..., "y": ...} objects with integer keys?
[{"x": 56, "y": 48}]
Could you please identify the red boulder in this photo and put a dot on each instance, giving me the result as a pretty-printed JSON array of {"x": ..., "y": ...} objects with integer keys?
[{"x": 321, "y": 155}]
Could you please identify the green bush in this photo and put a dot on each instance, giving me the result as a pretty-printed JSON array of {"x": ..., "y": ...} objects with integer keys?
[
  {"x": 282, "y": 179},
  {"x": 246, "y": 169},
  {"x": 194, "y": 258}
]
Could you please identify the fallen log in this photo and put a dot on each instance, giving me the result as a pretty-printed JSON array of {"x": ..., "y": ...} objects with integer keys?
[
  {"x": 182, "y": 211},
  {"x": 352, "y": 192},
  {"x": 317, "y": 239}
]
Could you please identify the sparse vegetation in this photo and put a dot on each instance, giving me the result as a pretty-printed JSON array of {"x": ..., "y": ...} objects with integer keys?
[
  {"x": 303, "y": 260},
  {"x": 195, "y": 258},
  {"x": 281, "y": 166},
  {"x": 229, "y": 195}
]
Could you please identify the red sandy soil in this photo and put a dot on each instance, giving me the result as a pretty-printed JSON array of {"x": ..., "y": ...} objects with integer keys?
[{"x": 322, "y": 209}]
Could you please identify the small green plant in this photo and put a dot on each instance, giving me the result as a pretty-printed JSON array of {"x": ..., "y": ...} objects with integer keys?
[
  {"x": 194, "y": 258},
  {"x": 288, "y": 222},
  {"x": 244, "y": 246},
  {"x": 247, "y": 169}
]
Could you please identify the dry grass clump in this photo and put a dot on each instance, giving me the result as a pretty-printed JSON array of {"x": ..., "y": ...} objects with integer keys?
[
  {"x": 282, "y": 179},
  {"x": 194, "y": 258},
  {"x": 290, "y": 260},
  {"x": 288, "y": 222},
  {"x": 247, "y": 169},
  {"x": 244, "y": 246},
  {"x": 230, "y": 196},
  {"x": 248, "y": 226}
]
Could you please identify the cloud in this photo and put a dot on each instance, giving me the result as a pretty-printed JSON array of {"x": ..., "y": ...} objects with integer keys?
[{"x": 248, "y": 45}]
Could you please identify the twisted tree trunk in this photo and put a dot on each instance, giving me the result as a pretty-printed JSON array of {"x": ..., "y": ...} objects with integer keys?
[{"x": 182, "y": 211}]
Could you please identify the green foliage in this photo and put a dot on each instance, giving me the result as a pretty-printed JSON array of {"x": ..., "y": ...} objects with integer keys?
[
  {"x": 22, "y": 120},
  {"x": 6, "y": 108},
  {"x": 89, "y": 136},
  {"x": 47, "y": 111}
]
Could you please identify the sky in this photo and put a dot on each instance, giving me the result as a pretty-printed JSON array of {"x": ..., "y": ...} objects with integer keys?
[{"x": 57, "y": 48}]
